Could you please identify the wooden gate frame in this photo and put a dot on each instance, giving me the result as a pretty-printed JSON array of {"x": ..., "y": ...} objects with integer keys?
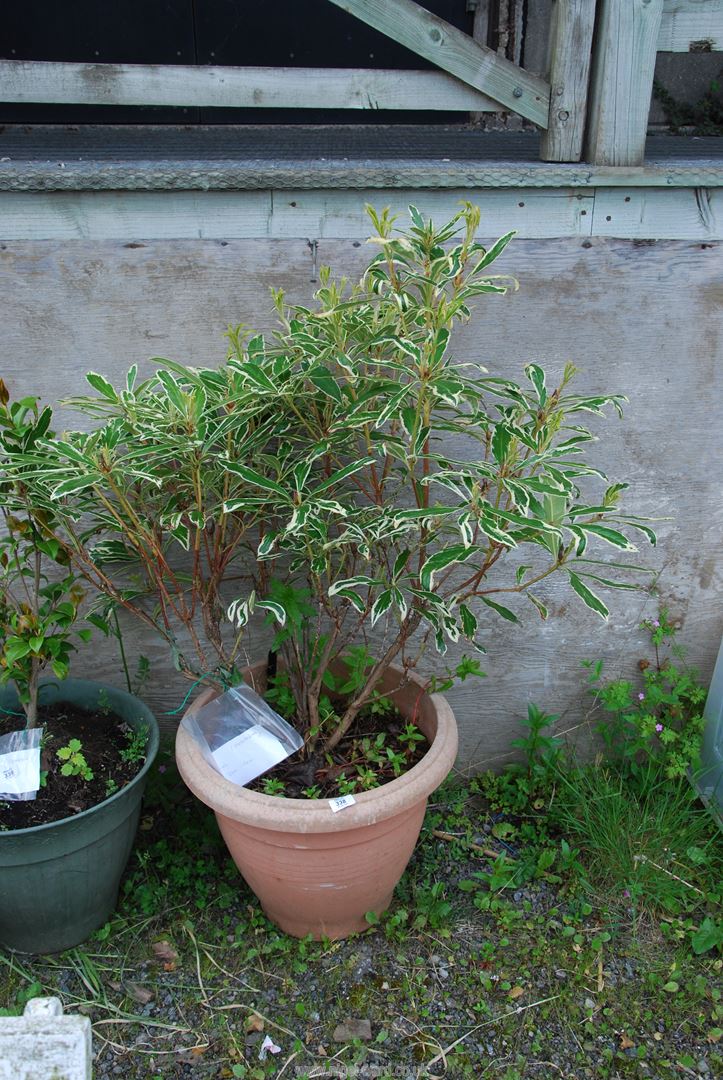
[{"x": 602, "y": 60}]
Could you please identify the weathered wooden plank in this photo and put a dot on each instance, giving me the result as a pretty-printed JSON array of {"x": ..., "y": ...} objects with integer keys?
[
  {"x": 643, "y": 319},
  {"x": 696, "y": 214},
  {"x": 244, "y": 88},
  {"x": 336, "y": 214},
  {"x": 622, "y": 80},
  {"x": 691, "y": 26},
  {"x": 308, "y": 214},
  {"x": 571, "y": 33},
  {"x": 135, "y": 215},
  {"x": 456, "y": 52},
  {"x": 297, "y": 214}
]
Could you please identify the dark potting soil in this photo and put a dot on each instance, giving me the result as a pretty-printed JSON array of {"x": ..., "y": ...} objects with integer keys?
[
  {"x": 105, "y": 744},
  {"x": 358, "y": 750}
]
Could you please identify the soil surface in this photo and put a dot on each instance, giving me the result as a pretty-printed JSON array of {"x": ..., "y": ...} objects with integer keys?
[
  {"x": 358, "y": 750},
  {"x": 105, "y": 745}
]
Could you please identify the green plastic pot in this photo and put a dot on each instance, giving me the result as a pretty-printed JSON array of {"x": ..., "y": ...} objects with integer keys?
[{"x": 59, "y": 882}]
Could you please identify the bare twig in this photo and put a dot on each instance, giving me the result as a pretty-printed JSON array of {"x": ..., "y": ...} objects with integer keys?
[
  {"x": 487, "y": 1023},
  {"x": 490, "y": 852}
]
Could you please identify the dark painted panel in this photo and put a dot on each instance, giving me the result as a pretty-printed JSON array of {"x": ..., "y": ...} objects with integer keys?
[
  {"x": 131, "y": 32},
  {"x": 293, "y": 33}
]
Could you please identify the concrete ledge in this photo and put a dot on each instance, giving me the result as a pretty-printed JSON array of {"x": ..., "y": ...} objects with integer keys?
[{"x": 45, "y": 1044}]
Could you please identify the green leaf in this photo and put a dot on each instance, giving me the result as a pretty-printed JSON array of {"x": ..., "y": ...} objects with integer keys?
[
  {"x": 328, "y": 386},
  {"x": 419, "y": 222},
  {"x": 75, "y": 484},
  {"x": 15, "y": 649},
  {"x": 500, "y": 609},
  {"x": 500, "y": 442},
  {"x": 381, "y": 605},
  {"x": 537, "y": 377},
  {"x": 469, "y": 621},
  {"x": 612, "y": 536},
  {"x": 266, "y": 545},
  {"x": 709, "y": 935},
  {"x": 256, "y": 479},
  {"x": 274, "y": 609},
  {"x": 492, "y": 253},
  {"x": 538, "y": 604},
  {"x": 400, "y": 564},
  {"x": 258, "y": 377},
  {"x": 458, "y": 553},
  {"x": 173, "y": 390},
  {"x": 101, "y": 384},
  {"x": 181, "y": 534},
  {"x": 351, "y": 583},
  {"x": 341, "y": 474},
  {"x": 587, "y": 596},
  {"x": 422, "y": 512}
]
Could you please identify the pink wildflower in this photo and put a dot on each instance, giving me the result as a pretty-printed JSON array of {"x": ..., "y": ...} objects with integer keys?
[
  {"x": 641, "y": 697},
  {"x": 658, "y": 727}
]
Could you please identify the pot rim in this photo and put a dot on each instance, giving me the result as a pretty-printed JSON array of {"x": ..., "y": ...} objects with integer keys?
[
  {"x": 280, "y": 814},
  {"x": 153, "y": 740}
]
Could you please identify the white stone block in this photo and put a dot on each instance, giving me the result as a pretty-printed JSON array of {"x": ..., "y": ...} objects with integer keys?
[{"x": 45, "y": 1044}]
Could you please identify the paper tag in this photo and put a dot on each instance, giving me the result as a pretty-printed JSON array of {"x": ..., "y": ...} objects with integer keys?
[
  {"x": 251, "y": 753},
  {"x": 341, "y": 803},
  {"x": 20, "y": 771}
]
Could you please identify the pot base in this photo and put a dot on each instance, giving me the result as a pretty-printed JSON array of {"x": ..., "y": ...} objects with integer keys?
[{"x": 324, "y": 884}]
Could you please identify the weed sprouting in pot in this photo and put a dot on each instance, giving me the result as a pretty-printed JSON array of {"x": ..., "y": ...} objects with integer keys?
[{"x": 73, "y": 759}]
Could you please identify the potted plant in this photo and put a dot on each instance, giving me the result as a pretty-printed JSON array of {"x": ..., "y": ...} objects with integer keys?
[
  {"x": 63, "y": 850},
  {"x": 364, "y": 490}
]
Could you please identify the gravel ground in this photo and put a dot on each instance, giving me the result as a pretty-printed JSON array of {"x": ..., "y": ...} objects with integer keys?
[{"x": 190, "y": 980}]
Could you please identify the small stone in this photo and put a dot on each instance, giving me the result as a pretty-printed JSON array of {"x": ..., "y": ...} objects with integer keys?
[
  {"x": 703, "y": 1067},
  {"x": 352, "y": 1029},
  {"x": 560, "y": 974}
]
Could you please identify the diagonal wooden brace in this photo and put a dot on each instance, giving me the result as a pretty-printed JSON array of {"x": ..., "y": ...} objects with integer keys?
[{"x": 456, "y": 52}]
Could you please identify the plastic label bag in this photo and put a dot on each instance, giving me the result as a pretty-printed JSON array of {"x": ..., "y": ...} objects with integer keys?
[
  {"x": 20, "y": 765},
  {"x": 240, "y": 736}
]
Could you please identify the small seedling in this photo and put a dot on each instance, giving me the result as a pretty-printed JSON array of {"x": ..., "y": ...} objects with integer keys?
[
  {"x": 74, "y": 763},
  {"x": 273, "y": 786},
  {"x": 135, "y": 751}
]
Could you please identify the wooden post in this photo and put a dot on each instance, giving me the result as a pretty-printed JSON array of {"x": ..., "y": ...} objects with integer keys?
[
  {"x": 480, "y": 27},
  {"x": 625, "y": 47},
  {"x": 571, "y": 34}
]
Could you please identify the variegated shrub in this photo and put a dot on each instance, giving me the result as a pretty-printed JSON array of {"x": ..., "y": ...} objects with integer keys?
[{"x": 348, "y": 475}]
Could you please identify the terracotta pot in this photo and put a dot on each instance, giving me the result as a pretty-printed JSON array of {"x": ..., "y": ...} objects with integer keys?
[{"x": 314, "y": 871}]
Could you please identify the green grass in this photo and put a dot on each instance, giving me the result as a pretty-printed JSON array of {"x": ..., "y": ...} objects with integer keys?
[
  {"x": 650, "y": 844},
  {"x": 494, "y": 982}
]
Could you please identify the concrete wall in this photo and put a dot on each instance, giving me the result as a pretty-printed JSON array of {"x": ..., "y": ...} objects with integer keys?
[{"x": 639, "y": 317}]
